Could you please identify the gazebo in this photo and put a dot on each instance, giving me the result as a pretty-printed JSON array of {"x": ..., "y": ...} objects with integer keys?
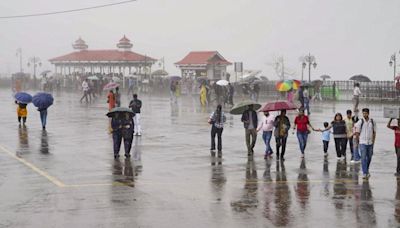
[
  {"x": 208, "y": 64},
  {"x": 116, "y": 61}
]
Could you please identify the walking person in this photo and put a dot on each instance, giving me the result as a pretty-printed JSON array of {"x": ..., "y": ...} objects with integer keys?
[
  {"x": 356, "y": 96},
  {"x": 22, "y": 112},
  {"x": 43, "y": 117},
  {"x": 267, "y": 126},
  {"x": 282, "y": 126},
  {"x": 85, "y": 89},
  {"x": 306, "y": 100},
  {"x": 111, "y": 100},
  {"x": 326, "y": 136},
  {"x": 250, "y": 121},
  {"x": 366, "y": 132},
  {"x": 350, "y": 121},
  {"x": 136, "y": 105},
  {"x": 301, "y": 123},
  {"x": 217, "y": 120},
  {"x": 396, "y": 130},
  {"x": 231, "y": 92},
  {"x": 339, "y": 135},
  {"x": 203, "y": 95},
  {"x": 117, "y": 97},
  {"x": 122, "y": 128}
]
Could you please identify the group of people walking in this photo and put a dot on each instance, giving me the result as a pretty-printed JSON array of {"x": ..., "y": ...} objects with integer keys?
[{"x": 357, "y": 132}]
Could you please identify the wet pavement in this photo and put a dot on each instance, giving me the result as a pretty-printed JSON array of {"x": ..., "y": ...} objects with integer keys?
[{"x": 66, "y": 176}]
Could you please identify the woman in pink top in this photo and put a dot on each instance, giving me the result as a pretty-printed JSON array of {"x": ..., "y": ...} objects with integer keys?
[{"x": 267, "y": 126}]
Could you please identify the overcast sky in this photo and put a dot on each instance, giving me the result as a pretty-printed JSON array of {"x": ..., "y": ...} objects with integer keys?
[{"x": 347, "y": 36}]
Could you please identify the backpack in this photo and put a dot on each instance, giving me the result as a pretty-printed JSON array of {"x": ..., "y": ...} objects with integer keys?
[{"x": 362, "y": 124}]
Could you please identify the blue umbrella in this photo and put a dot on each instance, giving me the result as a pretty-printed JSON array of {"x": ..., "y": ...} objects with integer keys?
[
  {"x": 24, "y": 98},
  {"x": 175, "y": 78},
  {"x": 42, "y": 100}
]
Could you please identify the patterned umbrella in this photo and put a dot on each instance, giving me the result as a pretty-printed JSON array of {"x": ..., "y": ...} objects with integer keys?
[
  {"x": 278, "y": 105},
  {"x": 283, "y": 86},
  {"x": 296, "y": 84},
  {"x": 42, "y": 100},
  {"x": 22, "y": 97},
  {"x": 110, "y": 86}
]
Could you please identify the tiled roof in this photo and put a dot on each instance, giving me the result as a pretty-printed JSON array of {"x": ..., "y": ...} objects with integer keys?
[
  {"x": 203, "y": 58},
  {"x": 102, "y": 55}
]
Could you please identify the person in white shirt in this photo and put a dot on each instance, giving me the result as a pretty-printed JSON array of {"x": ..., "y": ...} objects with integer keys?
[
  {"x": 85, "y": 88},
  {"x": 366, "y": 133},
  {"x": 356, "y": 96},
  {"x": 267, "y": 126}
]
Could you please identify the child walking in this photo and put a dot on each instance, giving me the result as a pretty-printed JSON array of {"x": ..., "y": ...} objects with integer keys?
[{"x": 326, "y": 136}]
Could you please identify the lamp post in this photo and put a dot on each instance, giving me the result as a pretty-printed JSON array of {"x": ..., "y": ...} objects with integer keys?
[
  {"x": 392, "y": 62},
  {"x": 310, "y": 60},
  {"x": 35, "y": 62}
]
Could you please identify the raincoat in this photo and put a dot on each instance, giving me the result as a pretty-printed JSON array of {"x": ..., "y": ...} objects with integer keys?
[
  {"x": 21, "y": 110},
  {"x": 203, "y": 95}
]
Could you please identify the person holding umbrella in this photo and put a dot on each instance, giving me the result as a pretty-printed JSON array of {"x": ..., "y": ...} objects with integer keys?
[
  {"x": 122, "y": 128},
  {"x": 43, "y": 101},
  {"x": 282, "y": 126},
  {"x": 250, "y": 121},
  {"x": 22, "y": 99}
]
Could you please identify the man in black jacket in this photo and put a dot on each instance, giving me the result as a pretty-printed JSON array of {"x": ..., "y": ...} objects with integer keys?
[
  {"x": 136, "y": 105},
  {"x": 250, "y": 122}
]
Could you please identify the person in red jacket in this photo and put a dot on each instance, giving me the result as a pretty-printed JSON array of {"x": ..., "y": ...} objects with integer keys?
[
  {"x": 301, "y": 122},
  {"x": 396, "y": 130}
]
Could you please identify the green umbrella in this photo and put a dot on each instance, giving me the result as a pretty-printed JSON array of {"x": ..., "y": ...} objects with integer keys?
[
  {"x": 239, "y": 108},
  {"x": 119, "y": 109}
]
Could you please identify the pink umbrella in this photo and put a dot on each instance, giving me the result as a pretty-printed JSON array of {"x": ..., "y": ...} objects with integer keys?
[
  {"x": 110, "y": 86},
  {"x": 278, "y": 105}
]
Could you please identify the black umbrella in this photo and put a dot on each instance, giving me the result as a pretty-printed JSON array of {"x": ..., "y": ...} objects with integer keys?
[
  {"x": 360, "y": 78},
  {"x": 324, "y": 77}
]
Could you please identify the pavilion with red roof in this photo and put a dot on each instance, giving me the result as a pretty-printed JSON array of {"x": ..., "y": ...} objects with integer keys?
[
  {"x": 208, "y": 64},
  {"x": 121, "y": 60}
]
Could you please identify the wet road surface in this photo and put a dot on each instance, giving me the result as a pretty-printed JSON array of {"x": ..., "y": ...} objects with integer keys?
[{"x": 66, "y": 176}]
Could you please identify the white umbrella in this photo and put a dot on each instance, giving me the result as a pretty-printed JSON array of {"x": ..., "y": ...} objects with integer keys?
[
  {"x": 222, "y": 82},
  {"x": 116, "y": 79},
  {"x": 93, "y": 77}
]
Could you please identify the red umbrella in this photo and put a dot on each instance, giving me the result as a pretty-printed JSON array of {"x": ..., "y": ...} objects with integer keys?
[
  {"x": 110, "y": 86},
  {"x": 278, "y": 105}
]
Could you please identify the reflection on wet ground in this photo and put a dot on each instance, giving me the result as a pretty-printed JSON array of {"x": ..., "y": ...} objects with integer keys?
[{"x": 66, "y": 175}]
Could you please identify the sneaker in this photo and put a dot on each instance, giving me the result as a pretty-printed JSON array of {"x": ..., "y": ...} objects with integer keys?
[
  {"x": 266, "y": 157},
  {"x": 127, "y": 155},
  {"x": 326, "y": 154},
  {"x": 212, "y": 153},
  {"x": 365, "y": 176},
  {"x": 219, "y": 154},
  {"x": 282, "y": 158},
  {"x": 357, "y": 161},
  {"x": 368, "y": 175},
  {"x": 302, "y": 156},
  {"x": 139, "y": 134},
  {"x": 338, "y": 158},
  {"x": 352, "y": 162},
  {"x": 116, "y": 156}
]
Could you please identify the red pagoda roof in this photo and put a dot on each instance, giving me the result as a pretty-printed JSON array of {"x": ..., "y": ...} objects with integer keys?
[
  {"x": 203, "y": 58},
  {"x": 102, "y": 55}
]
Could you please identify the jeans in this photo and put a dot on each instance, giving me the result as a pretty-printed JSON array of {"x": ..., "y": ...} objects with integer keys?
[
  {"x": 218, "y": 132},
  {"x": 356, "y": 151},
  {"x": 350, "y": 140},
  {"x": 267, "y": 135},
  {"x": 340, "y": 144},
  {"x": 253, "y": 134},
  {"x": 326, "y": 144},
  {"x": 280, "y": 141},
  {"x": 302, "y": 137},
  {"x": 43, "y": 117},
  {"x": 307, "y": 105},
  {"x": 366, "y": 156}
]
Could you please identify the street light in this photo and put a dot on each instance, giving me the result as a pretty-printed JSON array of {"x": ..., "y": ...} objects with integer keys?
[
  {"x": 310, "y": 60},
  {"x": 392, "y": 62},
  {"x": 35, "y": 62},
  {"x": 302, "y": 69}
]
